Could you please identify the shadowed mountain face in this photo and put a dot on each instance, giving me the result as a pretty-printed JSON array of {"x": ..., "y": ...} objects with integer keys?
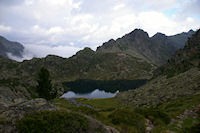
[
  {"x": 157, "y": 49},
  {"x": 183, "y": 59},
  {"x": 127, "y": 58},
  {"x": 9, "y": 47},
  {"x": 177, "y": 78},
  {"x": 180, "y": 39}
]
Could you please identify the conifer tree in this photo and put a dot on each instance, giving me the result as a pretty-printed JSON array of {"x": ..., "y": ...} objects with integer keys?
[{"x": 44, "y": 87}]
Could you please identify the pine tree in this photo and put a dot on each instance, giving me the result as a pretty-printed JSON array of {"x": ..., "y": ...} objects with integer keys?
[{"x": 44, "y": 87}]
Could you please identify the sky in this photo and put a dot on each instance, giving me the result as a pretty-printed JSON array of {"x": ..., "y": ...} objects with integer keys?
[{"x": 63, "y": 27}]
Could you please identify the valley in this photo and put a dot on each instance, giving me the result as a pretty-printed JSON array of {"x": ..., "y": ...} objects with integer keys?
[{"x": 152, "y": 86}]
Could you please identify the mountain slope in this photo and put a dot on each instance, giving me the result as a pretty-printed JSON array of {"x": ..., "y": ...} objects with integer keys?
[
  {"x": 157, "y": 49},
  {"x": 86, "y": 64},
  {"x": 179, "y": 40},
  {"x": 8, "y": 47},
  {"x": 125, "y": 63},
  {"x": 179, "y": 77}
]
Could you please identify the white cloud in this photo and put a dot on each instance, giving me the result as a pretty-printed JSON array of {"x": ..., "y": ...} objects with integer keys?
[
  {"x": 81, "y": 23},
  {"x": 5, "y": 29},
  {"x": 86, "y": 37},
  {"x": 81, "y": 18},
  {"x": 154, "y": 21},
  {"x": 189, "y": 19},
  {"x": 31, "y": 51},
  {"x": 55, "y": 30},
  {"x": 11, "y": 56},
  {"x": 119, "y": 6},
  {"x": 28, "y": 2},
  {"x": 160, "y": 5}
]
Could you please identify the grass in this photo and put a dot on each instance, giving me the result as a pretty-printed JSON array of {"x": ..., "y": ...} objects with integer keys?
[
  {"x": 107, "y": 104},
  {"x": 111, "y": 112},
  {"x": 157, "y": 116},
  {"x": 63, "y": 103},
  {"x": 126, "y": 118},
  {"x": 179, "y": 105},
  {"x": 52, "y": 122},
  {"x": 108, "y": 111},
  {"x": 176, "y": 107}
]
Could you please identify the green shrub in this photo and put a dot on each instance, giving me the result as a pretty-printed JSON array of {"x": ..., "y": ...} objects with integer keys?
[
  {"x": 86, "y": 110},
  {"x": 154, "y": 115},
  {"x": 52, "y": 122},
  {"x": 128, "y": 118},
  {"x": 193, "y": 129}
]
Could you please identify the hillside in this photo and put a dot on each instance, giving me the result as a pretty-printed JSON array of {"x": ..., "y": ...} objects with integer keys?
[
  {"x": 179, "y": 77},
  {"x": 19, "y": 79},
  {"x": 157, "y": 49},
  {"x": 131, "y": 57},
  {"x": 172, "y": 96},
  {"x": 86, "y": 64}
]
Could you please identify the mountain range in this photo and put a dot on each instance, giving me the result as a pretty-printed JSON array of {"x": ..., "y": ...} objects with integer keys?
[
  {"x": 156, "y": 49},
  {"x": 168, "y": 102},
  {"x": 134, "y": 56},
  {"x": 179, "y": 77}
]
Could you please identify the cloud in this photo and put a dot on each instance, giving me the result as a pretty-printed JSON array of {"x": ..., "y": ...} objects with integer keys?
[
  {"x": 39, "y": 51},
  {"x": 119, "y": 6},
  {"x": 5, "y": 29},
  {"x": 78, "y": 23}
]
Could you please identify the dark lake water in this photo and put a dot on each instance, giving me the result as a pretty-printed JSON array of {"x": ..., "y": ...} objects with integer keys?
[{"x": 99, "y": 88}]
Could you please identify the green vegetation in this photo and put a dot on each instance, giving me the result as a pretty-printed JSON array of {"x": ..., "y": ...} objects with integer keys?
[
  {"x": 53, "y": 122},
  {"x": 173, "y": 108},
  {"x": 10, "y": 82},
  {"x": 155, "y": 115},
  {"x": 107, "y": 104},
  {"x": 14, "y": 84},
  {"x": 176, "y": 69},
  {"x": 129, "y": 119},
  {"x": 44, "y": 87},
  {"x": 179, "y": 105}
]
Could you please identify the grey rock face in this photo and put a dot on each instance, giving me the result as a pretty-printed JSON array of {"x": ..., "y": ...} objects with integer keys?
[
  {"x": 18, "y": 110},
  {"x": 157, "y": 49},
  {"x": 13, "y": 48}
]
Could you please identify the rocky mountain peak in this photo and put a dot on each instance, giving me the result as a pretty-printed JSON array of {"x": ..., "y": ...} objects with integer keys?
[
  {"x": 159, "y": 35},
  {"x": 194, "y": 41},
  {"x": 191, "y": 31},
  {"x": 138, "y": 33},
  {"x": 85, "y": 52}
]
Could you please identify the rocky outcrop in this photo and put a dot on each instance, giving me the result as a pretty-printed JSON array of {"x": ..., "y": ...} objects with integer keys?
[{"x": 20, "y": 108}]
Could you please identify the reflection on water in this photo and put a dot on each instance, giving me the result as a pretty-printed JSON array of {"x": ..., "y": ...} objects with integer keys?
[{"x": 94, "y": 94}]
